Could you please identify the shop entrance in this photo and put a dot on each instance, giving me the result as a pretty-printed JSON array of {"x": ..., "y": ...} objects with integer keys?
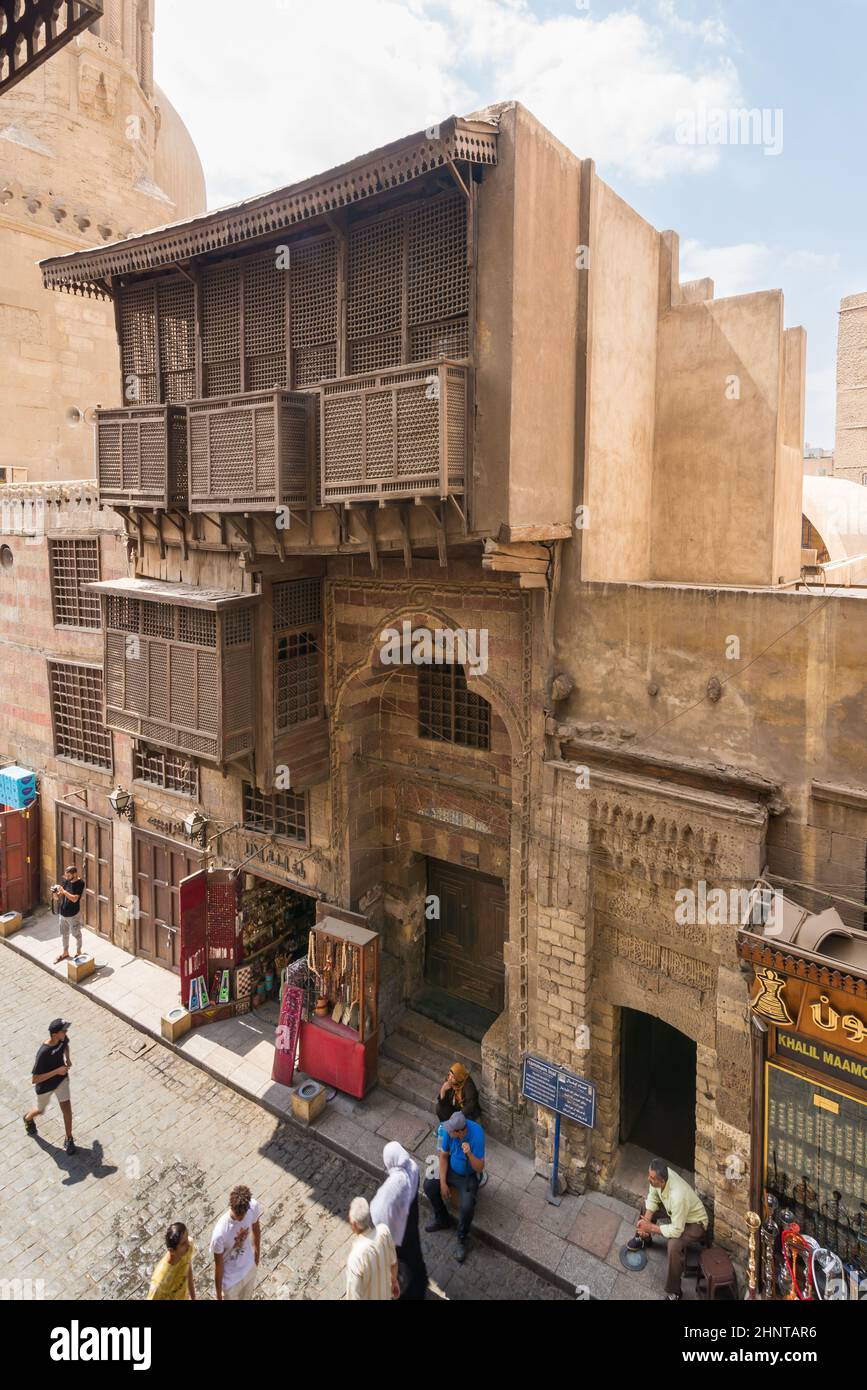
[
  {"x": 158, "y": 867},
  {"x": 657, "y": 1088},
  {"x": 276, "y": 926},
  {"x": 464, "y": 945}
]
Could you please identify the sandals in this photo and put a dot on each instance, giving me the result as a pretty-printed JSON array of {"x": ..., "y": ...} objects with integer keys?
[{"x": 64, "y": 956}]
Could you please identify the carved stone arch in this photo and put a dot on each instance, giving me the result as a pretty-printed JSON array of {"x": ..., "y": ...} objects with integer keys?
[{"x": 485, "y": 685}]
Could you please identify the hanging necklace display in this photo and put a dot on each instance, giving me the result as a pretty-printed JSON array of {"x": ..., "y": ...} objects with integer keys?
[{"x": 355, "y": 991}]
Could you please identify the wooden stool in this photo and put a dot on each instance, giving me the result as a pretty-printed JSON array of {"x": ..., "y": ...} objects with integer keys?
[{"x": 716, "y": 1272}]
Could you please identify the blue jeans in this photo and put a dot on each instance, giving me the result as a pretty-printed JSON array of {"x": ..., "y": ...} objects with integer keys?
[{"x": 467, "y": 1184}]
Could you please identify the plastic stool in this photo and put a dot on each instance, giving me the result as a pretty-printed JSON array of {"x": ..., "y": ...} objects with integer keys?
[{"x": 716, "y": 1272}]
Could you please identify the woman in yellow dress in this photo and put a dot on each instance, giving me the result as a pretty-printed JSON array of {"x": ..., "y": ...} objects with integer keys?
[{"x": 173, "y": 1276}]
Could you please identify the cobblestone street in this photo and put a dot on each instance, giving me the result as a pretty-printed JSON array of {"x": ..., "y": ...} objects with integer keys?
[{"x": 159, "y": 1141}]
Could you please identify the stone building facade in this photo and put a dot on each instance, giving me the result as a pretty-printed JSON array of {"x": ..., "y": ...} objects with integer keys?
[
  {"x": 90, "y": 150},
  {"x": 663, "y": 708},
  {"x": 850, "y": 452}
]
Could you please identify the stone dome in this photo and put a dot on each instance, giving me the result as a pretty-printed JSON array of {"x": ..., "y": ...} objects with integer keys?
[{"x": 177, "y": 168}]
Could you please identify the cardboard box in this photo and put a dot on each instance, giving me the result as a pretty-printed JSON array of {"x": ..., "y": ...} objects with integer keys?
[
  {"x": 79, "y": 969},
  {"x": 175, "y": 1024},
  {"x": 306, "y": 1109},
  {"x": 9, "y": 923}
]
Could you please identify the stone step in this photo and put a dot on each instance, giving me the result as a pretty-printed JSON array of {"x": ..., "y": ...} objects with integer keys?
[
  {"x": 408, "y": 1085},
  {"x": 417, "y": 1057},
  {"x": 443, "y": 1045}
]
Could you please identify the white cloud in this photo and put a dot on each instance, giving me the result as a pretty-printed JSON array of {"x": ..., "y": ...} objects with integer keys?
[
  {"x": 295, "y": 89},
  {"x": 709, "y": 30},
  {"x": 749, "y": 265}
]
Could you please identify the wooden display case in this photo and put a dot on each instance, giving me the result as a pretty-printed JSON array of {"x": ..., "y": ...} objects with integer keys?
[{"x": 337, "y": 1052}]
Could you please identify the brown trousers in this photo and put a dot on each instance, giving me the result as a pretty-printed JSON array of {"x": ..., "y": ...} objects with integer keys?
[{"x": 676, "y": 1246}]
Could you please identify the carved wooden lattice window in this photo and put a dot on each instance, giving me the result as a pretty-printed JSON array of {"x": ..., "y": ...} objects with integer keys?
[
  {"x": 297, "y": 627},
  {"x": 244, "y": 325},
  {"x": 76, "y": 707},
  {"x": 158, "y": 342},
  {"x": 161, "y": 767},
  {"x": 448, "y": 710},
  {"x": 280, "y": 813},
  {"x": 408, "y": 286},
  {"x": 73, "y": 563},
  {"x": 313, "y": 311}
]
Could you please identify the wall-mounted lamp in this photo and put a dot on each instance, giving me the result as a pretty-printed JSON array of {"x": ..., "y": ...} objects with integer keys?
[
  {"x": 195, "y": 826},
  {"x": 121, "y": 803}
]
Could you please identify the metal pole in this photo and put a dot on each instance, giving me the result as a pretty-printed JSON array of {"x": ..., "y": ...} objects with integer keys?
[{"x": 554, "y": 1195}]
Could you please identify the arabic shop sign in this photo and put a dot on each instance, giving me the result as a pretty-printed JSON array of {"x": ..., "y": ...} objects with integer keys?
[{"x": 814, "y": 1011}]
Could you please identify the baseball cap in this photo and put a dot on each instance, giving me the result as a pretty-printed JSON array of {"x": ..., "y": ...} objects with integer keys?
[
  {"x": 456, "y": 1122},
  {"x": 58, "y": 1025}
]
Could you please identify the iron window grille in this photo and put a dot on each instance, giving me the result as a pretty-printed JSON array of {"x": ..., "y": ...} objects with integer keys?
[
  {"x": 282, "y": 813},
  {"x": 450, "y": 712},
  {"x": 76, "y": 709},
  {"x": 71, "y": 564},
  {"x": 297, "y": 626},
  {"x": 164, "y": 768}
]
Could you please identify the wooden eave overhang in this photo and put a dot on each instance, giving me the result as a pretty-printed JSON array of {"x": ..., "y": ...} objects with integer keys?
[
  {"x": 755, "y": 950},
  {"x": 161, "y": 591},
  {"x": 91, "y": 271}
]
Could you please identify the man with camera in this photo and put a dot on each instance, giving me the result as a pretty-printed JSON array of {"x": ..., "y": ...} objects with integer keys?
[
  {"x": 66, "y": 902},
  {"x": 51, "y": 1078}
]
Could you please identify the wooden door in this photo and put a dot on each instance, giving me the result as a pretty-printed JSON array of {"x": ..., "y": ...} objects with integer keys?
[
  {"x": 158, "y": 867},
  {"x": 85, "y": 841},
  {"x": 464, "y": 954},
  {"x": 19, "y": 859}
]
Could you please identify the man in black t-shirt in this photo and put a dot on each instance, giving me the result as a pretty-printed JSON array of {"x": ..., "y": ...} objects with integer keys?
[
  {"x": 51, "y": 1078},
  {"x": 66, "y": 902}
]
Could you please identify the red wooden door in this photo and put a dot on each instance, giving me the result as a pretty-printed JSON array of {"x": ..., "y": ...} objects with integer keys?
[
  {"x": 19, "y": 859},
  {"x": 464, "y": 953},
  {"x": 159, "y": 866},
  {"x": 85, "y": 841}
]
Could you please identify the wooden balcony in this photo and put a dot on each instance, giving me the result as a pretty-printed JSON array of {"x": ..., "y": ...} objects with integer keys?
[
  {"x": 397, "y": 434},
  {"x": 142, "y": 457},
  {"x": 180, "y": 666},
  {"x": 251, "y": 452}
]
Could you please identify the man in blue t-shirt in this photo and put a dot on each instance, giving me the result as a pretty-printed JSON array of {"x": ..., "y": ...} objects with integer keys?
[{"x": 462, "y": 1162}]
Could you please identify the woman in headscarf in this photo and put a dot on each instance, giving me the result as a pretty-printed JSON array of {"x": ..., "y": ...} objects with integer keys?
[
  {"x": 458, "y": 1092},
  {"x": 396, "y": 1206}
]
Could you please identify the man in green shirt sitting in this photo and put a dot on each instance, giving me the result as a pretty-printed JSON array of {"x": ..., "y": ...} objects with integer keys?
[{"x": 683, "y": 1220}]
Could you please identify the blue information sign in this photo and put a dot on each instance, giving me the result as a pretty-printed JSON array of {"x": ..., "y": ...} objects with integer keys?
[{"x": 559, "y": 1090}]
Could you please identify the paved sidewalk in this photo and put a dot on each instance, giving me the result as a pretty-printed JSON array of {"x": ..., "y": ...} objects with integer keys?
[
  {"x": 575, "y": 1245},
  {"x": 158, "y": 1140}
]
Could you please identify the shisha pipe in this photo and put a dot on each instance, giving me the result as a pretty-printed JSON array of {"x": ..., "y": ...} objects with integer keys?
[
  {"x": 794, "y": 1246},
  {"x": 831, "y": 1267}
]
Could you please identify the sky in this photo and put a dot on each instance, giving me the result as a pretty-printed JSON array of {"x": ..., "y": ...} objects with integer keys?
[{"x": 276, "y": 90}]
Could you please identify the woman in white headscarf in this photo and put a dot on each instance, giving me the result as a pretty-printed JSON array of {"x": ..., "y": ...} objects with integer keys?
[{"x": 396, "y": 1206}]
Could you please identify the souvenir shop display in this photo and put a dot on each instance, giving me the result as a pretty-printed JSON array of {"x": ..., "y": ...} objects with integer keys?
[
  {"x": 339, "y": 1037},
  {"x": 235, "y": 943}
]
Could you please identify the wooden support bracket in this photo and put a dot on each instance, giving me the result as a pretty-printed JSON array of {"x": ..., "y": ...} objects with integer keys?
[{"x": 438, "y": 519}]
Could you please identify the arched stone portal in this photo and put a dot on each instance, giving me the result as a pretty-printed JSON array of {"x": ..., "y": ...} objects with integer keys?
[{"x": 405, "y": 807}]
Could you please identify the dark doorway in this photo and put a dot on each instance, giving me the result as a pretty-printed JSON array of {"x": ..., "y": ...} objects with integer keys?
[
  {"x": 657, "y": 1088},
  {"x": 464, "y": 944}
]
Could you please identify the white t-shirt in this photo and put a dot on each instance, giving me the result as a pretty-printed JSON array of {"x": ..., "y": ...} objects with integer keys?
[
  {"x": 232, "y": 1240},
  {"x": 368, "y": 1269}
]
